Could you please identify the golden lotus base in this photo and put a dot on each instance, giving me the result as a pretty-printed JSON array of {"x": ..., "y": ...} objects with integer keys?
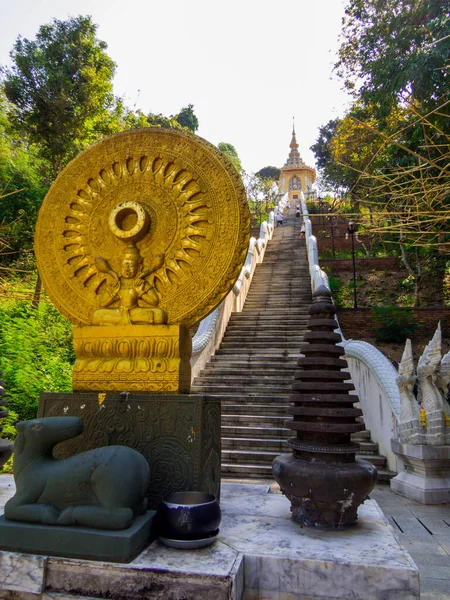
[{"x": 132, "y": 358}]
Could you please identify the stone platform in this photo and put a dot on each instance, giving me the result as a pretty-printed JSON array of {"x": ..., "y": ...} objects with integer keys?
[{"x": 260, "y": 554}]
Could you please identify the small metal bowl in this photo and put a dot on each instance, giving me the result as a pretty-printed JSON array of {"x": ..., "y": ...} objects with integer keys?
[{"x": 188, "y": 516}]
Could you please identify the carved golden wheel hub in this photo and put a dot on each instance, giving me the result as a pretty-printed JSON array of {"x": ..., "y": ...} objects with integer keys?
[
  {"x": 129, "y": 221},
  {"x": 148, "y": 228}
]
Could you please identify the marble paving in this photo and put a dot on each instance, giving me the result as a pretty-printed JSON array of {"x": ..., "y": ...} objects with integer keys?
[{"x": 261, "y": 554}]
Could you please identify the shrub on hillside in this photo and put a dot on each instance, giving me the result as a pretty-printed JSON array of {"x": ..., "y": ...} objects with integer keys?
[
  {"x": 395, "y": 324},
  {"x": 36, "y": 354}
]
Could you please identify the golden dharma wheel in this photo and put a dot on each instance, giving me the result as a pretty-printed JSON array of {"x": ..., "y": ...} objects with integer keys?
[{"x": 161, "y": 197}]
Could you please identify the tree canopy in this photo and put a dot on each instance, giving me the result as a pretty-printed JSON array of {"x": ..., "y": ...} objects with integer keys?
[
  {"x": 61, "y": 87},
  {"x": 273, "y": 173},
  {"x": 395, "y": 50},
  {"x": 231, "y": 153},
  {"x": 21, "y": 188},
  {"x": 186, "y": 118},
  {"x": 390, "y": 153}
]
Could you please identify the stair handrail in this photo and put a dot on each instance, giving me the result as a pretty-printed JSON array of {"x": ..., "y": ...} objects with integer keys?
[
  {"x": 212, "y": 328},
  {"x": 365, "y": 362}
]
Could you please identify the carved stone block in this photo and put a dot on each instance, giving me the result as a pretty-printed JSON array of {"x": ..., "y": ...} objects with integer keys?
[
  {"x": 424, "y": 475},
  {"x": 78, "y": 542},
  {"x": 132, "y": 358},
  {"x": 178, "y": 434}
]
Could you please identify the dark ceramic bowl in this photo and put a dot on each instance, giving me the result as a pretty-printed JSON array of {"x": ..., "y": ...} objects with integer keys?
[{"x": 189, "y": 516}]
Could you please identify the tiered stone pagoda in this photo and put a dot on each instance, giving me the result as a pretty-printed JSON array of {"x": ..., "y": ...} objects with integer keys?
[
  {"x": 322, "y": 478},
  {"x": 296, "y": 176}
]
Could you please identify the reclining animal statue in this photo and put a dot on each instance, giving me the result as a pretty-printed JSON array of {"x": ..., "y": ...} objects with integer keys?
[{"x": 104, "y": 488}]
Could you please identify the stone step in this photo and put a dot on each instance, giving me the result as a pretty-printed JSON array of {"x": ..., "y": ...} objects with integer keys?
[
  {"x": 267, "y": 444},
  {"x": 361, "y": 435},
  {"x": 295, "y": 286},
  {"x": 233, "y": 388},
  {"x": 280, "y": 282},
  {"x": 289, "y": 302},
  {"x": 256, "y": 315},
  {"x": 246, "y": 399},
  {"x": 254, "y": 420},
  {"x": 254, "y": 370},
  {"x": 265, "y": 457},
  {"x": 288, "y": 325},
  {"x": 279, "y": 344},
  {"x": 260, "y": 457},
  {"x": 267, "y": 327},
  {"x": 384, "y": 475},
  {"x": 255, "y": 432},
  {"x": 247, "y": 470},
  {"x": 262, "y": 337},
  {"x": 247, "y": 380},
  {"x": 262, "y": 350},
  {"x": 295, "y": 331},
  {"x": 244, "y": 431},
  {"x": 244, "y": 408},
  {"x": 259, "y": 359},
  {"x": 282, "y": 291},
  {"x": 281, "y": 445}
]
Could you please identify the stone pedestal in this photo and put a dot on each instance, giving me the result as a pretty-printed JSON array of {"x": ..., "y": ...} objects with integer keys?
[
  {"x": 120, "y": 546},
  {"x": 135, "y": 358},
  {"x": 426, "y": 475},
  {"x": 178, "y": 434}
]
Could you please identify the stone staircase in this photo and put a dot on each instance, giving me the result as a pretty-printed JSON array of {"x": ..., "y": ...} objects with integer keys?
[{"x": 252, "y": 372}]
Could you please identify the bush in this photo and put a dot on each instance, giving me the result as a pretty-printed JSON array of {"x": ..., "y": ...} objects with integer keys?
[
  {"x": 395, "y": 324},
  {"x": 36, "y": 355}
]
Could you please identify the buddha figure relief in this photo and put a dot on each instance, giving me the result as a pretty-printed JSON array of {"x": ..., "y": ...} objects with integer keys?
[{"x": 128, "y": 298}]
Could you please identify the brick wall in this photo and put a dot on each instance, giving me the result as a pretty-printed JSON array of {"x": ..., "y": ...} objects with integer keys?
[
  {"x": 341, "y": 243},
  {"x": 357, "y": 324},
  {"x": 363, "y": 264}
]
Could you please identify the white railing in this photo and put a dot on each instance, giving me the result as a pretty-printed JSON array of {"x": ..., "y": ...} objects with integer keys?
[
  {"x": 211, "y": 330},
  {"x": 373, "y": 375}
]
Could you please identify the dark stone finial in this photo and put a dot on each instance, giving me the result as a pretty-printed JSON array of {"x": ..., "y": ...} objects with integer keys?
[
  {"x": 321, "y": 477},
  {"x": 320, "y": 292}
]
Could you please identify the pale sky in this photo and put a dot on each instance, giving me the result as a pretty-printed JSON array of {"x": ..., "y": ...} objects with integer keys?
[{"x": 247, "y": 66}]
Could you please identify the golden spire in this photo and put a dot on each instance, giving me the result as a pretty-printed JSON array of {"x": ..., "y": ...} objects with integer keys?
[
  {"x": 294, "y": 158},
  {"x": 293, "y": 143}
]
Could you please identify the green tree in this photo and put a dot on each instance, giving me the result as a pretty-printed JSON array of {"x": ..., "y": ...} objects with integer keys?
[
  {"x": 334, "y": 176},
  {"x": 395, "y": 50},
  {"x": 186, "y": 118},
  {"x": 123, "y": 118},
  {"x": 231, "y": 153},
  {"x": 261, "y": 196},
  {"x": 21, "y": 190},
  {"x": 273, "y": 173},
  {"x": 61, "y": 87}
]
